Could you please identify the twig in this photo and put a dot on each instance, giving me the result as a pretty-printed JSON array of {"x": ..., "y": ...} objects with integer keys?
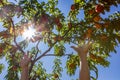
[
  {"x": 37, "y": 49},
  {"x": 56, "y": 55},
  {"x": 45, "y": 52}
]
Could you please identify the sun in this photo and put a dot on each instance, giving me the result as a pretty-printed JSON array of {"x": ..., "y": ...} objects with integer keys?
[{"x": 29, "y": 33}]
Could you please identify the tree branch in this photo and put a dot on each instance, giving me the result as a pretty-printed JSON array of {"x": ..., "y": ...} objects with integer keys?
[
  {"x": 56, "y": 55},
  {"x": 45, "y": 52},
  {"x": 14, "y": 35},
  {"x": 37, "y": 49},
  {"x": 32, "y": 62}
]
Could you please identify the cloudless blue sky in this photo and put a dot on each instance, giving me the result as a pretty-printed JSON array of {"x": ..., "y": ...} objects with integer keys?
[{"x": 110, "y": 73}]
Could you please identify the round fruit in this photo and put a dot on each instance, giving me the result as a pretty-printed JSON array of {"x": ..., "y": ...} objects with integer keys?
[
  {"x": 44, "y": 18},
  {"x": 57, "y": 38},
  {"x": 99, "y": 60},
  {"x": 6, "y": 35},
  {"x": 103, "y": 38},
  {"x": 73, "y": 6},
  {"x": 57, "y": 20},
  {"x": 88, "y": 35},
  {"x": 56, "y": 75},
  {"x": 106, "y": 24},
  {"x": 89, "y": 31},
  {"x": 14, "y": 68},
  {"x": 69, "y": 25},
  {"x": 98, "y": 26},
  {"x": 92, "y": 56},
  {"x": 59, "y": 25},
  {"x": 99, "y": 8},
  {"x": 91, "y": 11},
  {"x": 72, "y": 65},
  {"x": 97, "y": 18}
]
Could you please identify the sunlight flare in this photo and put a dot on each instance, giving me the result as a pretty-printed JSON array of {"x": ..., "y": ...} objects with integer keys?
[{"x": 29, "y": 33}]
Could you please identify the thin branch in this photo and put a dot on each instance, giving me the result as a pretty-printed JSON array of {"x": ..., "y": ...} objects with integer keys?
[
  {"x": 32, "y": 62},
  {"x": 45, "y": 52},
  {"x": 14, "y": 34},
  {"x": 37, "y": 49},
  {"x": 56, "y": 55}
]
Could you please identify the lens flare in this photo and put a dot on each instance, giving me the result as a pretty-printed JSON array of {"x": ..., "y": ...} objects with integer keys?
[{"x": 29, "y": 33}]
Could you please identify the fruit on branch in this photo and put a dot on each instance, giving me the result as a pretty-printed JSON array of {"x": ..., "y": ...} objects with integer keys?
[
  {"x": 69, "y": 25},
  {"x": 14, "y": 68},
  {"x": 88, "y": 35},
  {"x": 92, "y": 56},
  {"x": 103, "y": 37},
  {"x": 99, "y": 59},
  {"x": 89, "y": 31},
  {"x": 42, "y": 28},
  {"x": 97, "y": 26},
  {"x": 57, "y": 20},
  {"x": 97, "y": 18},
  {"x": 6, "y": 35},
  {"x": 73, "y": 7},
  {"x": 44, "y": 19},
  {"x": 92, "y": 11},
  {"x": 56, "y": 75},
  {"x": 95, "y": 58},
  {"x": 106, "y": 24},
  {"x": 99, "y": 8},
  {"x": 55, "y": 38},
  {"x": 59, "y": 26},
  {"x": 72, "y": 65},
  {"x": 58, "y": 38}
]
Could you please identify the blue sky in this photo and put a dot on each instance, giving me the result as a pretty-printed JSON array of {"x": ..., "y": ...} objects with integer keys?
[{"x": 110, "y": 73}]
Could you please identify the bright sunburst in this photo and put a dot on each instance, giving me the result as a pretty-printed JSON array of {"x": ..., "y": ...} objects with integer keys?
[{"x": 29, "y": 33}]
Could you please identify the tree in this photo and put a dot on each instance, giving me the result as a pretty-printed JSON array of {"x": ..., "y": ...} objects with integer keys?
[{"x": 55, "y": 30}]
